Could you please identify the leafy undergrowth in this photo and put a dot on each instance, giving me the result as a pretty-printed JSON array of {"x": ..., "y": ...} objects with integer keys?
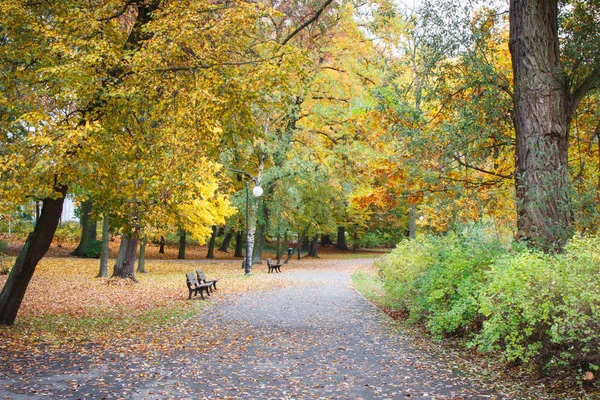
[
  {"x": 64, "y": 303},
  {"x": 514, "y": 381}
]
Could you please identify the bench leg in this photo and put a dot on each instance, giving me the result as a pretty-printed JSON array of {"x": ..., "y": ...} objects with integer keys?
[{"x": 190, "y": 295}]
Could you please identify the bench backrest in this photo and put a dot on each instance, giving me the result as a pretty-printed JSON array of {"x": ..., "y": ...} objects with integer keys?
[
  {"x": 269, "y": 262},
  {"x": 201, "y": 275},
  {"x": 191, "y": 279}
]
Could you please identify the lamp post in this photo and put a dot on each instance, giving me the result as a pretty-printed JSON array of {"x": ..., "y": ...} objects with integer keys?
[{"x": 257, "y": 191}]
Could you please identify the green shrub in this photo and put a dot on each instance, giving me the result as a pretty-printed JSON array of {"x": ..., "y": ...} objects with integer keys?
[
  {"x": 368, "y": 240},
  {"x": 400, "y": 269},
  {"x": 530, "y": 307},
  {"x": 544, "y": 309},
  {"x": 93, "y": 249},
  {"x": 437, "y": 278},
  {"x": 3, "y": 246}
]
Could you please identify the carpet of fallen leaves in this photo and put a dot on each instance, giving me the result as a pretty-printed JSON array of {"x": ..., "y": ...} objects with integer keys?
[{"x": 66, "y": 305}]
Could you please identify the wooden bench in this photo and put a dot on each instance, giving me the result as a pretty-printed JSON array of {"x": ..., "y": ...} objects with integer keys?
[
  {"x": 272, "y": 266},
  {"x": 195, "y": 287},
  {"x": 202, "y": 279}
]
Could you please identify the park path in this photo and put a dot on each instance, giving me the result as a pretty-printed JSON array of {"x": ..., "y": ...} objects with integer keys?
[{"x": 315, "y": 338}]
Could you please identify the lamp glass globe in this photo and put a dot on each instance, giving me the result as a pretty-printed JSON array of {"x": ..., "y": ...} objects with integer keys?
[{"x": 257, "y": 191}]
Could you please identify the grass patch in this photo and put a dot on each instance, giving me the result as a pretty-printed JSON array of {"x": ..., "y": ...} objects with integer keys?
[{"x": 368, "y": 283}]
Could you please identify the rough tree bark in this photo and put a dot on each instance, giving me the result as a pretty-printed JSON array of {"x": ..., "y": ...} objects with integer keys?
[
  {"x": 103, "y": 273},
  {"x": 543, "y": 110},
  {"x": 38, "y": 242},
  {"x": 125, "y": 265},
  {"x": 211, "y": 243},
  {"x": 181, "y": 252}
]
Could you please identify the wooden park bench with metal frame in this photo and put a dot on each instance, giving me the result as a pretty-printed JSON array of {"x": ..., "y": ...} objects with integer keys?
[
  {"x": 195, "y": 287},
  {"x": 272, "y": 266},
  {"x": 202, "y": 279}
]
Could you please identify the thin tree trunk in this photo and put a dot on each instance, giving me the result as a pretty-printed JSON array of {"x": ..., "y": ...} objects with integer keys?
[
  {"x": 542, "y": 120},
  {"x": 278, "y": 248},
  {"x": 341, "y": 238},
  {"x": 297, "y": 247},
  {"x": 259, "y": 245},
  {"x": 142, "y": 259},
  {"x": 86, "y": 211},
  {"x": 103, "y": 273},
  {"x": 239, "y": 244},
  {"x": 412, "y": 221},
  {"x": 161, "y": 245},
  {"x": 211, "y": 243},
  {"x": 37, "y": 244},
  {"x": 313, "y": 252},
  {"x": 226, "y": 241},
  {"x": 181, "y": 253}
]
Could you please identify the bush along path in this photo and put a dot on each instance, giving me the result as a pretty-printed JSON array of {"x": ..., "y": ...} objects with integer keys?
[{"x": 314, "y": 338}]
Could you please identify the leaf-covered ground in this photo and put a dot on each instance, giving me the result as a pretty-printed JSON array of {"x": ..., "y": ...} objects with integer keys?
[{"x": 304, "y": 333}]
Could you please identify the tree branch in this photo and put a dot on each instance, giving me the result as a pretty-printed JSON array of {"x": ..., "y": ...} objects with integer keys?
[
  {"x": 307, "y": 23},
  {"x": 579, "y": 93},
  {"x": 466, "y": 165},
  {"x": 120, "y": 12}
]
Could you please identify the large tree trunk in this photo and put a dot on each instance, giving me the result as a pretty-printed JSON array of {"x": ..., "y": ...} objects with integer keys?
[
  {"x": 125, "y": 265},
  {"x": 86, "y": 211},
  {"x": 181, "y": 253},
  {"x": 312, "y": 251},
  {"x": 341, "y": 238},
  {"x": 542, "y": 119},
  {"x": 226, "y": 241},
  {"x": 239, "y": 244},
  {"x": 38, "y": 242},
  {"x": 93, "y": 230},
  {"x": 142, "y": 259},
  {"x": 103, "y": 273},
  {"x": 121, "y": 254},
  {"x": 211, "y": 243}
]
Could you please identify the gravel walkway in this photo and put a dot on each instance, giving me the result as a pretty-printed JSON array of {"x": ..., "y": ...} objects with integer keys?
[{"x": 316, "y": 339}]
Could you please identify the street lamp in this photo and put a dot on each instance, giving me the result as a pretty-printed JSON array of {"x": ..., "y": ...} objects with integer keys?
[{"x": 257, "y": 191}]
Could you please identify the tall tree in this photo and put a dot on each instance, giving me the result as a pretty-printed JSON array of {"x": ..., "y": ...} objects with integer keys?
[{"x": 545, "y": 102}]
